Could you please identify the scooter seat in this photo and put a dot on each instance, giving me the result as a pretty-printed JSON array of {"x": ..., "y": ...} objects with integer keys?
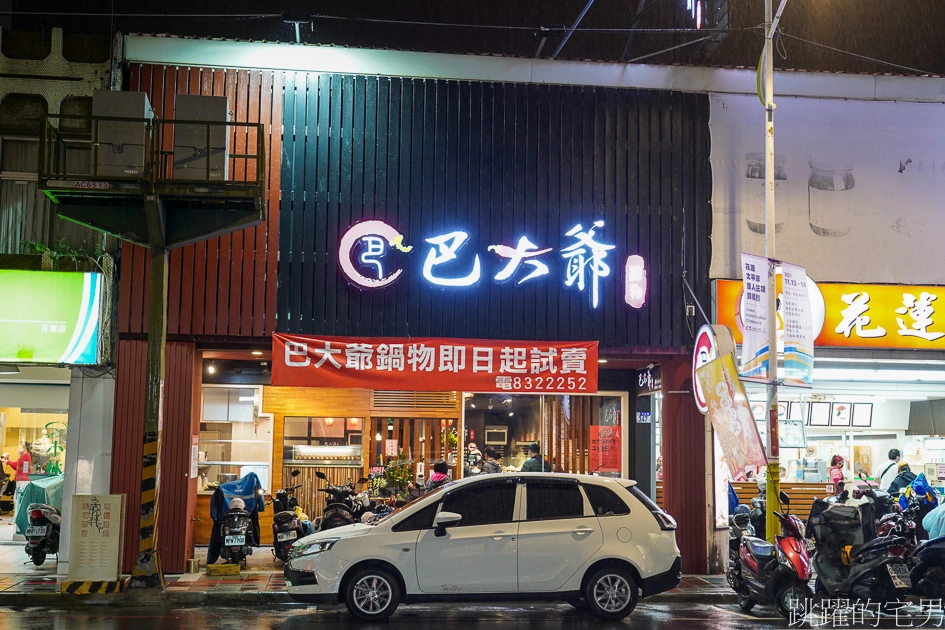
[
  {"x": 283, "y": 517},
  {"x": 760, "y": 549}
]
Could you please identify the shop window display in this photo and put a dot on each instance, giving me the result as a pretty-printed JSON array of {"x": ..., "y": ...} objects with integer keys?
[
  {"x": 578, "y": 434},
  {"x": 44, "y": 431},
  {"x": 235, "y": 439}
]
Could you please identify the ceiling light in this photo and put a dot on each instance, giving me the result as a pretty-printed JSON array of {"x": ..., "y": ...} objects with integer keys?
[
  {"x": 602, "y": 360},
  {"x": 507, "y": 400},
  {"x": 257, "y": 353},
  {"x": 353, "y": 422},
  {"x": 6, "y": 368},
  {"x": 211, "y": 369},
  {"x": 511, "y": 413},
  {"x": 473, "y": 405},
  {"x": 490, "y": 403},
  {"x": 329, "y": 421}
]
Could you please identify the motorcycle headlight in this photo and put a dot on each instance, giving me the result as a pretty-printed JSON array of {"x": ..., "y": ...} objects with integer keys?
[
  {"x": 782, "y": 557},
  {"x": 308, "y": 549}
]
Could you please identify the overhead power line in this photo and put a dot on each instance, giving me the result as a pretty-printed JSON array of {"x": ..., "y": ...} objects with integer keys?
[{"x": 855, "y": 55}]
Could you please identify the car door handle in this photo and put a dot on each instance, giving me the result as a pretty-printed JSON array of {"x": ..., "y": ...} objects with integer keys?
[
  {"x": 582, "y": 531},
  {"x": 500, "y": 536}
]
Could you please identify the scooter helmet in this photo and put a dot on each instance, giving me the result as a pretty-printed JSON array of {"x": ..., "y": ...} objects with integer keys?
[{"x": 742, "y": 509}]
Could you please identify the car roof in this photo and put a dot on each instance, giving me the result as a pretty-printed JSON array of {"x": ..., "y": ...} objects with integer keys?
[{"x": 627, "y": 483}]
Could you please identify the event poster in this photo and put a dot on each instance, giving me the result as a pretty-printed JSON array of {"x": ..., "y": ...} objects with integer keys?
[
  {"x": 798, "y": 327},
  {"x": 754, "y": 314},
  {"x": 731, "y": 417}
]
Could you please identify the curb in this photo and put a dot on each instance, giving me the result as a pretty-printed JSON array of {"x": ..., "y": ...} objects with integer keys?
[{"x": 248, "y": 599}]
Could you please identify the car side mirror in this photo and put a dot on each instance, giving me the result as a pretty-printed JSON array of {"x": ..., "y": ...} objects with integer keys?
[
  {"x": 321, "y": 475},
  {"x": 296, "y": 473},
  {"x": 444, "y": 520}
]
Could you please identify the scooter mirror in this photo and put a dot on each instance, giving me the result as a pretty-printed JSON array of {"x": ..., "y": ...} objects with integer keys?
[
  {"x": 784, "y": 498},
  {"x": 296, "y": 473},
  {"x": 362, "y": 480},
  {"x": 321, "y": 475}
]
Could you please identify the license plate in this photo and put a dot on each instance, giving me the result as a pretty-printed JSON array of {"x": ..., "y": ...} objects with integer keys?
[
  {"x": 900, "y": 575},
  {"x": 284, "y": 536},
  {"x": 36, "y": 530},
  {"x": 234, "y": 541}
]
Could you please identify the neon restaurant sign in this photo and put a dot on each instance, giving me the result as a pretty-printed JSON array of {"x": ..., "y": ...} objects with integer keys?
[{"x": 371, "y": 256}]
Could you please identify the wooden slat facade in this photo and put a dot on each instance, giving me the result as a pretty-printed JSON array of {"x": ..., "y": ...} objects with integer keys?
[
  {"x": 177, "y": 495},
  {"x": 225, "y": 286},
  {"x": 499, "y": 161}
]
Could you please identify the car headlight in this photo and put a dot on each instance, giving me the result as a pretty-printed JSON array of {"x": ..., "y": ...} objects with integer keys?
[{"x": 308, "y": 549}]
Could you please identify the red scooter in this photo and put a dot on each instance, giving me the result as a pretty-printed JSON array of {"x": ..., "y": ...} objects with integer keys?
[{"x": 775, "y": 574}]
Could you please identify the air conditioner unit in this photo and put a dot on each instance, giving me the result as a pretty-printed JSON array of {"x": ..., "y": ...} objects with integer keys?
[
  {"x": 122, "y": 145},
  {"x": 200, "y": 151}
]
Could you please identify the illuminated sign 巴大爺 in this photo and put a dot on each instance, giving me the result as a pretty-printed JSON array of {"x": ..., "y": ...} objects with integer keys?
[{"x": 368, "y": 253}]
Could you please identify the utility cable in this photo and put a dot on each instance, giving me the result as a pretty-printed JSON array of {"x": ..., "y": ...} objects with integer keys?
[{"x": 856, "y": 55}]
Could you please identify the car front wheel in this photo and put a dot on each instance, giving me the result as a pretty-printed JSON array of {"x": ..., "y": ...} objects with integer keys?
[
  {"x": 611, "y": 593},
  {"x": 372, "y": 594}
]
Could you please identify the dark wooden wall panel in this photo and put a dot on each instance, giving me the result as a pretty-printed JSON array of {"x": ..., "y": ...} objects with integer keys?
[
  {"x": 178, "y": 492},
  {"x": 685, "y": 482},
  {"x": 225, "y": 286},
  {"x": 499, "y": 160}
]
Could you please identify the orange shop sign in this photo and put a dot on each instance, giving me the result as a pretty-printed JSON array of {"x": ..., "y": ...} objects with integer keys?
[{"x": 858, "y": 315}]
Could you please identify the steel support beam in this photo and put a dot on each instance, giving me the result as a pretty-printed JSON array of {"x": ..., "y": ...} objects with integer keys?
[{"x": 147, "y": 570}]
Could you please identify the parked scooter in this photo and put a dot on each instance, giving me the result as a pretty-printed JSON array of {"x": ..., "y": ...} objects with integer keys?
[
  {"x": 739, "y": 526},
  {"x": 774, "y": 573},
  {"x": 851, "y": 563},
  {"x": 237, "y": 534},
  {"x": 42, "y": 532},
  {"x": 341, "y": 508},
  {"x": 286, "y": 525}
]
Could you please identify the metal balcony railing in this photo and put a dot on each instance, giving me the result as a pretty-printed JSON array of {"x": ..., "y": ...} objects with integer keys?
[{"x": 104, "y": 153}]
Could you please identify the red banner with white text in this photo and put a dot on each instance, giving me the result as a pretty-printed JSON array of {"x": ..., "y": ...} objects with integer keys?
[{"x": 433, "y": 364}]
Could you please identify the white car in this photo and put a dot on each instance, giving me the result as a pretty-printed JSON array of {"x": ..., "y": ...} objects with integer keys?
[{"x": 523, "y": 536}]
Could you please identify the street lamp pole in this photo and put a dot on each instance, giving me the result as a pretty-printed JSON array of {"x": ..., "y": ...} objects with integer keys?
[{"x": 773, "y": 485}]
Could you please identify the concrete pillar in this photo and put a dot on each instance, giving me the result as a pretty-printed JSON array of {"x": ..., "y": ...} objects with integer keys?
[{"x": 88, "y": 444}]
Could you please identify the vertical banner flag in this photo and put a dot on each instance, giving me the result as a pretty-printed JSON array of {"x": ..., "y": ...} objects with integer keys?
[
  {"x": 798, "y": 327},
  {"x": 731, "y": 417},
  {"x": 755, "y": 319}
]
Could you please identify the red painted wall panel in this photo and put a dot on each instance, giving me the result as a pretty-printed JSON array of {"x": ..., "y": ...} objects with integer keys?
[
  {"x": 684, "y": 474},
  {"x": 177, "y": 493},
  {"x": 225, "y": 286}
]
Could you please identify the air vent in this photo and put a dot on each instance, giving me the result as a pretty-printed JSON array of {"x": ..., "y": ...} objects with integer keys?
[{"x": 401, "y": 401}]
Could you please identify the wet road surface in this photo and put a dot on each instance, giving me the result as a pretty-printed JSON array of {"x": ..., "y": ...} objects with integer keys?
[{"x": 688, "y": 616}]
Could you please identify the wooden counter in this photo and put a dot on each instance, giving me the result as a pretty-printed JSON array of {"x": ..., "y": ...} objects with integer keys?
[{"x": 802, "y": 494}]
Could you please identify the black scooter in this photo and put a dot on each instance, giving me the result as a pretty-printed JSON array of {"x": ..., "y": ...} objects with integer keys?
[
  {"x": 236, "y": 531},
  {"x": 340, "y": 509},
  {"x": 42, "y": 533},
  {"x": 286, "y": 526},
  {"x": 874, "y": 570}
]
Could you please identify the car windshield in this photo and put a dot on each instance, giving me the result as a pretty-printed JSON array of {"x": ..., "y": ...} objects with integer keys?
[{"x": 415, "y": 502}]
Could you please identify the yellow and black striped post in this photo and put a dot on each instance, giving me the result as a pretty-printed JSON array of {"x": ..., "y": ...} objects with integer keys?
[
  {"x": 91, "y": 588},
  {"x": 147, "y": 571}
]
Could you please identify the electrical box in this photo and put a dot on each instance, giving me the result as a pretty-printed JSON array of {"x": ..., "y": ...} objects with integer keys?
[
  {"x": 201, "y": 150},
  {"x": 122, "y": 149}
]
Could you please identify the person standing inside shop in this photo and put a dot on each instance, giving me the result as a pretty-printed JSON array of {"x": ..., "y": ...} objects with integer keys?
[
  {"x": 535, "y": 461},
  {"x": 22, "y": 466},
  {"x": 889, "y": 474},
  {"x": 489, "y": 463},
  {"x": 836, "y": 469}
]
